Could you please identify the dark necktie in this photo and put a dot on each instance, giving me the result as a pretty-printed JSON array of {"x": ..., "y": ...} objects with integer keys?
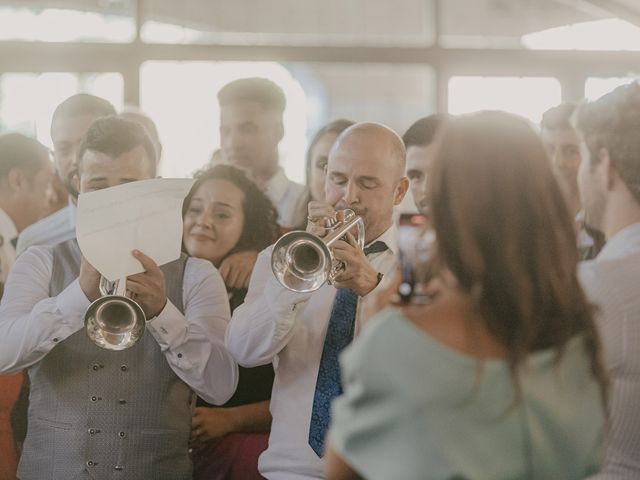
[{"x": 339, "y": 335}]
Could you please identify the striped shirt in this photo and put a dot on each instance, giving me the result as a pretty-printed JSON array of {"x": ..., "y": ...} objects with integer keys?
[{"x": 612, "y": 282}]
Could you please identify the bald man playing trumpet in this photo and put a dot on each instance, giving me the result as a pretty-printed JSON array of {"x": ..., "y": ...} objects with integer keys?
[{"x": 303, "y": 333}]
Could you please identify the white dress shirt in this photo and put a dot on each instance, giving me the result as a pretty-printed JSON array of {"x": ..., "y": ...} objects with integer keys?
[
  {"x": 8, "y": 234},
  {"x": 612, "y": 283},
  {"x": 58, "y": 227},
  {"x": 32, "y": 323},
  {"x": 289, "y": 198},
  {"x": 287, "y": 328}
]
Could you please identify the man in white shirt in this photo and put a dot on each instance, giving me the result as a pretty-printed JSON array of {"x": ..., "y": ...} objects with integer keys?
[
  {"x": 25, "y": 172},
  {"x": 303, "y": 333},
  {"x": 95, "y": 413},
  {"x": 70, "y": 122},
  {"x": 251, "y": 128},
  {"x": 609, "y": 181}
]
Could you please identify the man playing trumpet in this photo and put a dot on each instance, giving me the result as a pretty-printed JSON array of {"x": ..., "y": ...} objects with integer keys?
[
  {"x": 303, "y": 333},
  {"x": 102, "y": 414}
]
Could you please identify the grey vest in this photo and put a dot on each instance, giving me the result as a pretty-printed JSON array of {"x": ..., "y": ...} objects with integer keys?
[{"x": 98, "y": 414}]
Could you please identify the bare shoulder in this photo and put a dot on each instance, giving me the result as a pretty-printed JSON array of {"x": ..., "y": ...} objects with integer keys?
[{"x": 452, "y": 321}]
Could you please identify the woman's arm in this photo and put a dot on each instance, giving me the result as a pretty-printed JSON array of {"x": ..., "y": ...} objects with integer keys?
[{"x": 211, "y": 423}]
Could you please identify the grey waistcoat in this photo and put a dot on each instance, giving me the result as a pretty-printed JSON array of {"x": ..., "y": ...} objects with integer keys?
[{"x": 98, "y": 414}]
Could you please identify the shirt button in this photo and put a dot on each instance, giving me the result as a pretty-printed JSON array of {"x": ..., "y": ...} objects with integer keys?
[
  {"x": 121, "y": 434},
  {"x": 122, "y": 401},
  {"x": 94, "y": 398},
  {"x": 124, "y": 368},
  {"x": 179, "y": 355},
  {"x": 96, "y": 366},
  {"x": 118, "y": 468},
  {"x": 91, "y": 463},
  {"x": 55, "y": 339},
  {"x": 92, "y": 431}
]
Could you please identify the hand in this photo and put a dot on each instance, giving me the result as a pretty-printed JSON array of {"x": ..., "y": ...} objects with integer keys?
[
  {"x": 236, "y": 269},
  {"x": 210, "y": 423},
  {"x": 317, "y": 216},
  {"x": 148, "y": 288},
  {"x": 358, "y": 274},
  {"x": 89, "y": 280}
]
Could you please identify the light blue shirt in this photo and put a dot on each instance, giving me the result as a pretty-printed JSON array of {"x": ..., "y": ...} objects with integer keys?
[
  {"x": 58, "y": 227},
  {"x": 414, "y": 409}
]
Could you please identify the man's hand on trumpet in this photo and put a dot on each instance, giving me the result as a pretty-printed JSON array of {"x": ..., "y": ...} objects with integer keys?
[
  {"x": 318, "y": 214},
  {"x": 148, "y": 287},
  {"x": 358, "y": 275}
]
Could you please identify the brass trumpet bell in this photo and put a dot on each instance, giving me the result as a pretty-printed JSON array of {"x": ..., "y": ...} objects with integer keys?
[
  {"x": 114, "y": 321},
  {"x": 303, "y": 262}
]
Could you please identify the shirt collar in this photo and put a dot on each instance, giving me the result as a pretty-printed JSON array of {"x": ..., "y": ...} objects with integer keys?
[
  {"x": 390, "y": 238},
  {"x": 7, "y": 228},
  {"x": 623, "y": 243},
  {"x": 277, "y": 186}
]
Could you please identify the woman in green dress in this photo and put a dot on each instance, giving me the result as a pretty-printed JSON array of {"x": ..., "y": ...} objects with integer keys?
[{"x": 500, "y": 376}]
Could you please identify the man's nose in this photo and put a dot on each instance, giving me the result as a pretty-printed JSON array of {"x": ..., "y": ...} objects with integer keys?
[{"x": 350, "y": 195}]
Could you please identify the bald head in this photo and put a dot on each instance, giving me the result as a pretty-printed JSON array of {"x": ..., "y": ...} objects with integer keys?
[
  {"x": 375, "y": 136},
  {"x": 365, "y": 172}
]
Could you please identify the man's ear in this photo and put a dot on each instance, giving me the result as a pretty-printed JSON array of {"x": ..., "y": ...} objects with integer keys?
[
  {"x": 610, "y": 170},
  {"x": 279, "y": 130},
  {"x": 401, "y": 190},
  {"x": 15, "y": 179}
]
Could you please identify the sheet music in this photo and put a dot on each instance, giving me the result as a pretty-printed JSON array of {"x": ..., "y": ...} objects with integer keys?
[{"x": 144, "y": 215}]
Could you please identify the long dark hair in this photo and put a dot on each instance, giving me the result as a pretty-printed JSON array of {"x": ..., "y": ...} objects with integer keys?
[
  {"x": 505, "y": 233},
  {"x": 260, "y": 227}
]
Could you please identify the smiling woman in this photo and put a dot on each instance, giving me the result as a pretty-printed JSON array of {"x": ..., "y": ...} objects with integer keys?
[{"x": 227, "y": 220}]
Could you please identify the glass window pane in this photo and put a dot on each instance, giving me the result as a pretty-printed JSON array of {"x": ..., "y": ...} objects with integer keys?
[
  {"x": 290, "y": 22},
  {"x": 529, "y": 97},
  {"x": 27, "y": 100},
  {"x": 69, "y": 21},
  {"x": 595, "y": 87},
  {"x": 188, "y": 119}
]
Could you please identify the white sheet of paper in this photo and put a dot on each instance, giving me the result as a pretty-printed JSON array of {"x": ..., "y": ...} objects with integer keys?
[{"x": 144, "y": 215}]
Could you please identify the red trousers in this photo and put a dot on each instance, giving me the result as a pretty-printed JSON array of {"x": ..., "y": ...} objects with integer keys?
[{"x": 234, "y": 457}]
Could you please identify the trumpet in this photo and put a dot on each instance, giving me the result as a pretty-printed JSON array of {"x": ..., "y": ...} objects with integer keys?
[
  {"x": 303, "y": 262},
  {"x": 114, "y": 321}
]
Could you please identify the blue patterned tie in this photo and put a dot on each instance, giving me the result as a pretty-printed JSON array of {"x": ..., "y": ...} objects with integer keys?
[{"x": 339, "y": 335}]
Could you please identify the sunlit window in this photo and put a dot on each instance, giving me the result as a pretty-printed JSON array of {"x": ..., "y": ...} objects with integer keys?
[
  {"x": 181, "y": 98},
  {"x": 595, "y": 87},
  {"x": 27, "y": 100},
  {"x": 608, "y": 34},
  {"x": 529, "y": 97}
]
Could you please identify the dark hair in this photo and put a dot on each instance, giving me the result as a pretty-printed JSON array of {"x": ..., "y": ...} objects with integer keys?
[
  {"x": 83, "y": 104},
  {"x": 260, "y": 227},
  {"x": 20, "y": 151},
  {"x": 558, "y": 117},
  {"x": 260, "y": 90},
  {"x": 337, "y": 127},
  {"x": 613, "y": 123},
  {"x": 423, "y": 131},
  {"x": 508, "y": 238},
  {"x": 114, "y": 136},
  {"x": 145, "y": 121}
]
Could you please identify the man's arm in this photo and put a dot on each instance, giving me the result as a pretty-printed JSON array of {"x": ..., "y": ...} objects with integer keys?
[
  {"x": 31, "y": 322},
  {"x": 263, "y": 325},
  {"x": 193, "y": 343}
]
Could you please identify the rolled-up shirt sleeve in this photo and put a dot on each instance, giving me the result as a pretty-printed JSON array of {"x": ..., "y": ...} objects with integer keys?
[
  {"x": 193, "y": 342},
  {"x": 263, "y": 325},
  {"x": 32, "y": 322}
]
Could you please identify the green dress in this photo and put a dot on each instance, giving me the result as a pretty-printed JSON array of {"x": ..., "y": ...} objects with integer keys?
[{"x": 413, "y": 408}]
